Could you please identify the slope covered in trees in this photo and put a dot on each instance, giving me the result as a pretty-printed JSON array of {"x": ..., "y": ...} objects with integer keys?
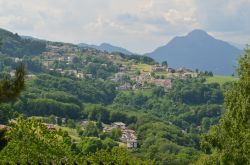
[
  {"x": 167, "y": 122},
  {"x": 16, "y": 46},
  {"x": 228, "y": 142}
]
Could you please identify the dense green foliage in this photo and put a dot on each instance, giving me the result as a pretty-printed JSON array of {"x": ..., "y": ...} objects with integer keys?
[
  {"x": 28, "y": 138},
  {"x": 195, "y": 92},
  {"x": 171, "y": 121},
  {"x": 8, "y": 63},
  {"x": 116, "y": 156},
  {"x": 88, "y": 90},
  {"x": 30, "y": 142},
  {"x": 45, "y": 96},
  {"x": 10, "y": 89},
  {"x": 229, "y": 140},
  {"x": 168, "y": 122},
  {"x": 16, "y": 46}
]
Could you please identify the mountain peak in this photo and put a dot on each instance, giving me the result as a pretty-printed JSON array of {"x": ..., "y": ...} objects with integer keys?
[
  {"x": 198, "y": 33},
  {"x": 199, "y": 50}
]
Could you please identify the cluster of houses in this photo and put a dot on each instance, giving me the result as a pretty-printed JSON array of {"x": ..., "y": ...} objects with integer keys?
[
  {"x": 146, "y": 77},
  {"x": 50, "y": 57},
  {"x": 181, "y": 73},
  {"x": 141, "y": 82},
  {"x": 128, "y": 135},
  {"x": 159, "y": 67},
  {"x": 67, "y": 54},
  {"x": 166, "y": 83},
  {"x": 61, "y": 48},
  {"x": 126, "y": 78}
]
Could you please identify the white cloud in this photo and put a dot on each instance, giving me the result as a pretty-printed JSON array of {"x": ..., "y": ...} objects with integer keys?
[
  {"x": 139, "y": 25},
  {"x": 177, "y": 17}
]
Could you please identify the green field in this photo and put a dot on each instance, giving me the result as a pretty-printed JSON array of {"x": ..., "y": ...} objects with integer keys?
[
  {"x": 220, "y": 79},
  {"x": 143, "y": 67}
]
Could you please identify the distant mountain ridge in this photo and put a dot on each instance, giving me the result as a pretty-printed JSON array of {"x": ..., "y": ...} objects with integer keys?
[
  {"x": 199, "y": 50},
  {"x": 18, "y": 46},
  {"x": 195, "y": 50},
  {"x": 106, "y": 47}
]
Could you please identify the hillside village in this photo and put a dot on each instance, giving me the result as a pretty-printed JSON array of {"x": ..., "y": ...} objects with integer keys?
[
  {"x": 94, "y": 101},
  {"x": 129, "y": 75},
  {"x": 148, "y": 75},
  {"x": 128, "y": 136}
]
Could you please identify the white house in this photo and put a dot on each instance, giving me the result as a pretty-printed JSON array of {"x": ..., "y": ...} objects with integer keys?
[
  {"x": 132, "y": 143},
  {"x": 119, "y": 125}
]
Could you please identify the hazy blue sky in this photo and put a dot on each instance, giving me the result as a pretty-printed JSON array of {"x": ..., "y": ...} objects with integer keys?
[{"x": 138, "y": 25}]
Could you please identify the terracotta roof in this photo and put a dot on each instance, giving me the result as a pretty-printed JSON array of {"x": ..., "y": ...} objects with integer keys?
[{"x": 2, "y": 126}]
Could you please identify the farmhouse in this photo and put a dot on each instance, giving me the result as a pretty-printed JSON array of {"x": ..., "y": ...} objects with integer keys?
[
  {"x": 3, "y": 127},
  {"x": 166, "y": 83},
  {"x": 128, "y": 136},
  {"x": 50, "y": 127},
  {"x": 119, "y": 125},
  {"x": 132, "y": 144},
  {"x": 158, "y": 67},
  {"x": 183, "y": 70}
]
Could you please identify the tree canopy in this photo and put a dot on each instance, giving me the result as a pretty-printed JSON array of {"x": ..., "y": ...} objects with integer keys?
[
  {"x": 229, "y": 141},
  {"x": 11, "y": 88}
]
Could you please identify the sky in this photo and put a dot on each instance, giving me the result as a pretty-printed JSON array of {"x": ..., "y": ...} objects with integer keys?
[{"x": 138, "y": 25}]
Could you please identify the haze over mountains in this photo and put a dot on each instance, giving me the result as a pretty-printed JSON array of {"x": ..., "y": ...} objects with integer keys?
[
  {"x": 199, "y": 50},
  {"x": 106, "y": 47},
  {"x": 196, "y": 50}
]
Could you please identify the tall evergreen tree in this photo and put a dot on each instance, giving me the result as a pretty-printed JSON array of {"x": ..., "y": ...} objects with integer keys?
[
  {"x": 11, "y": 88},
  {"x": 229, "y": 141}
]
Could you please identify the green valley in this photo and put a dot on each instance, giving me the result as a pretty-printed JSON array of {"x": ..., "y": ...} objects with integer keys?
[{"x": 85, "y": 106}]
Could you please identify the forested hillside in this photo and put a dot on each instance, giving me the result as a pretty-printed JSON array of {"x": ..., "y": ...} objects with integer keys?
[
  {"x": 16, "y": 46},
  {"x": 74, "y": 97}
]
